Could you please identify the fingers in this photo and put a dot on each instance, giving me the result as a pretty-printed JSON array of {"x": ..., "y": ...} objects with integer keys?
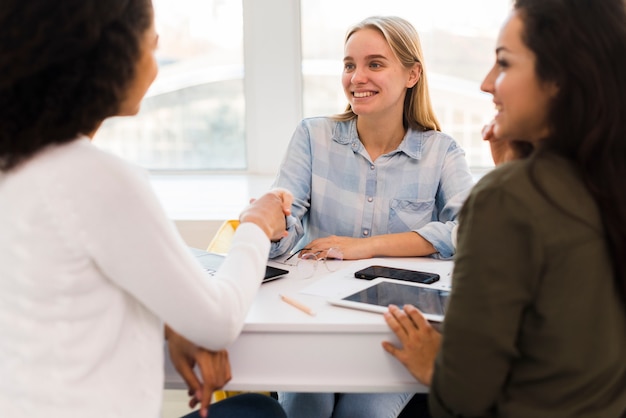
[
  {"x": 406, "y": 321},
  {"x": 226, "y": 363},
  {"x": 205, "y": 400},
  {"x": 322, "y": 244},
  {"x": 393, "y": 322},
  {"x": 216, "y": 372},
  {"x": 286, "y": 197},
  {"x": 487, "y": 131},
  {"x": 391, "y": 349},
  {"x": 268, "y": 212},
  {"x": 416, "y": 317},
  {"x": 190, "y": 378},
  {"x": 181, "y": 354}
]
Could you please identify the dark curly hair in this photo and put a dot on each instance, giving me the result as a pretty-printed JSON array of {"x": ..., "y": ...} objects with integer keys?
[
  {"x": 65, "y": 67},
  {"x": 580, "y": 45}
]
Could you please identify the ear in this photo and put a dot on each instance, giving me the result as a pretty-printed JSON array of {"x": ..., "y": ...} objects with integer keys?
[
  {"x": 415, "y": 73},
  {"x": 551, "y": 88}
]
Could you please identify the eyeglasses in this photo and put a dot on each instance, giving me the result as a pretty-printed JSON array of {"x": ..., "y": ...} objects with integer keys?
[{"x": 308, "y": 262}]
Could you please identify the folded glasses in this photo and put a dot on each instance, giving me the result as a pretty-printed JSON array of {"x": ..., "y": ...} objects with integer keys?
[{"x": 307, "y": 263}]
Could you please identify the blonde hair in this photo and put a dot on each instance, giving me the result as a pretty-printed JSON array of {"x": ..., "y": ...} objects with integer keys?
[{"x": 404, "y": 41}]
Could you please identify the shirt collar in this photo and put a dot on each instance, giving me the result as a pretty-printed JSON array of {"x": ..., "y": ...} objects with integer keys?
[{"x": 345, "y": 133}]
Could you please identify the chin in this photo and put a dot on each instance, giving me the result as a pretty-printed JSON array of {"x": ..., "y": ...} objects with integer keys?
[
  {"x": 499, "y": 131},
  {"x": 129, "y": 112}
]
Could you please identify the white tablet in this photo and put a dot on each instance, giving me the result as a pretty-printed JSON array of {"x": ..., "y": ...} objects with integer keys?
[{"x": 383, "y": 292}]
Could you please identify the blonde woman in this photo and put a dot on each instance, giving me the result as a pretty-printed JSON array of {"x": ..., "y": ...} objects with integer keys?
[{"x": 378, "y": 180}]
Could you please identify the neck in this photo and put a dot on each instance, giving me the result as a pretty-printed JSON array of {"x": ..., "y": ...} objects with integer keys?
[
  {"x": 91, "y": 134},
  {"x": 379, "y": 137}
]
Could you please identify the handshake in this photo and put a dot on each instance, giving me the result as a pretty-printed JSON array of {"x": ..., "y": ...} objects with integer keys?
[{"x": 269, "y": 212}]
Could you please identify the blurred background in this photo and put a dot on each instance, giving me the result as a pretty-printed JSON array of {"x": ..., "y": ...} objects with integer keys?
[{"x": 237, "y": 76}]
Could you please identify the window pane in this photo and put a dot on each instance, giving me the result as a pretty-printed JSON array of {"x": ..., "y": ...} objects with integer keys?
[
  {"x": 193, "y": 115},
  {"x": 458, "y": 39}
]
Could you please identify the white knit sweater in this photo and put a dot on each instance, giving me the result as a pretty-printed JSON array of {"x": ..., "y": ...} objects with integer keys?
[{"x": 90, "y": 267}]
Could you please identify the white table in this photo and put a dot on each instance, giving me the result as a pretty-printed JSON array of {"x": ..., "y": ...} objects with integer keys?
[{"x": 338, "y": 350}]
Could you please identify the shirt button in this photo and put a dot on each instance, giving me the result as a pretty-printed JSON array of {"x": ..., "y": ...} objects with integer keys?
[
  {"x": 370, "y": 199},
  {"x": 366, "y": 232},
  {"x": 372, "y": 167}
]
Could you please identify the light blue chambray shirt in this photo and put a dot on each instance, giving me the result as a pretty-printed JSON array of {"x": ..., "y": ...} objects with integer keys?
[{"x": 338, "y": 190}]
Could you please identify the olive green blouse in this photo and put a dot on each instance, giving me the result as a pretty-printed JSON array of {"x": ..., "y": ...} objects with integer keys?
[{"x": 536, "y": 326}]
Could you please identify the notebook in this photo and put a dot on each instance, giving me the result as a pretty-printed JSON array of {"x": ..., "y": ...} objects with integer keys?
[{"x": 212, "y": 261}]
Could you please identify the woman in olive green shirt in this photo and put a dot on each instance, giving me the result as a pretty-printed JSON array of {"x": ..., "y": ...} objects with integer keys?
[{"x": 536, "y": 324}]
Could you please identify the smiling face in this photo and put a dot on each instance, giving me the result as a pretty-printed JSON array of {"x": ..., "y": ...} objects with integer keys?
[
  {"x": 374, "y": 80},
  {"x": 521, "y": 99}
]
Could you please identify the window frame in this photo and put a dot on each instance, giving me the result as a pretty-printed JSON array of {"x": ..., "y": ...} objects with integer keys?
[{"x": 272, "y": 80}]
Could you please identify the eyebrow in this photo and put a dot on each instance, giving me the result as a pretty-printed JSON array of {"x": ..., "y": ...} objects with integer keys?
[
  {"x": 501, "y": 49},
  {"x": 368, "y": 57}
]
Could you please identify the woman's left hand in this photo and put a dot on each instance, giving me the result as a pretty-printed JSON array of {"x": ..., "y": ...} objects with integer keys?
[
  {"x": 419, "y": 341},
  {"x": 350, "y": 248}
]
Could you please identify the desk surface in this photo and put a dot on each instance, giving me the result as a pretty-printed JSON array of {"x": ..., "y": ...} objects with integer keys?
[{"x": 338, "y": 350}]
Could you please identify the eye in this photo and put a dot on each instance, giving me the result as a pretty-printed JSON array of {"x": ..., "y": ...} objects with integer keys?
[
  {"x": 348, "y": 66},
  {"x": 375, "y": 65},
  {"x": 502, "y": 63}
]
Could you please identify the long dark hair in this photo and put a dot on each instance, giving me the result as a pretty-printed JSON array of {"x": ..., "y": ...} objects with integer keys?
[
  {"x": 581, "y": 46},
  {"x": 65, "y": 67}
]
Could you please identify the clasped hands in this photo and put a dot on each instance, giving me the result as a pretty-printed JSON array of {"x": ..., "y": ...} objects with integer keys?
[{"x": 214, "y": 368}]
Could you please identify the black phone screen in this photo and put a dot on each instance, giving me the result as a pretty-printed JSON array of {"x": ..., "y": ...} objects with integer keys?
[{"x": 372, "y": 272}]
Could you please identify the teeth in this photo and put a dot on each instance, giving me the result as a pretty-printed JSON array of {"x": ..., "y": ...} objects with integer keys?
[
  {"x": 498, "y": 108},
  {"x": 363, "y": 94}
]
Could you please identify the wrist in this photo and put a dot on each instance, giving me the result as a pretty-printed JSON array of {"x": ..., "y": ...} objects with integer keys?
[
  {"x": 258, "y": 222},
  {"x": 167, "y": 332}
]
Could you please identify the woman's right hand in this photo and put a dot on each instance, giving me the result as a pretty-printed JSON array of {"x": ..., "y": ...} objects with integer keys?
[
  {"x": 269, "y": 212},
  {"x": 214, "y": 369},
  {"x": 501, "y": 149}
]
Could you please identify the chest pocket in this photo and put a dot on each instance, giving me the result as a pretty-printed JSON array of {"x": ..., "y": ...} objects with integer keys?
[{"x": 409, "y": 214}]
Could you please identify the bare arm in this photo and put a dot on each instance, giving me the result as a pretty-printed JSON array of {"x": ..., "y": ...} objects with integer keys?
[{"x": 403, "y": 244}]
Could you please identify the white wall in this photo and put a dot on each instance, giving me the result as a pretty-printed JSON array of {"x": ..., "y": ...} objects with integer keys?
[{"x": 273, "y": 80}]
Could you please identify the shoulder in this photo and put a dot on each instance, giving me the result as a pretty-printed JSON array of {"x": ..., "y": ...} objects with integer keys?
[
  {"x": 525, "y": 175},
  {"x": 326, "y": 123},
  {"x": 325, "y": 127},
  {"x": 510, "y": 180},
  {"x": 441, "y": 139},
  {"x": 80, "y": 164},
  {"x": 431, "y": 144},
  {"x": 432, "y": 138},
  {"x": 543, "y": 184}
]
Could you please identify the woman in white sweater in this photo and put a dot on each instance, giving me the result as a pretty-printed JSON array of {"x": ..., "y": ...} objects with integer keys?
[{"x": 90, "y": 266}]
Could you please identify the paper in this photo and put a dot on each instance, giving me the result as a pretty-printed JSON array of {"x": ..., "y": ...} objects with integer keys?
[{"x": 335, "y": 285}]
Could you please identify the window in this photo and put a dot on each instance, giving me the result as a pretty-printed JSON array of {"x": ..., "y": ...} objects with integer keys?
[
  {"x": 192, "y": 117},
  {"x": 236, "y": 76},
  {"x": 458, "y": 40}
]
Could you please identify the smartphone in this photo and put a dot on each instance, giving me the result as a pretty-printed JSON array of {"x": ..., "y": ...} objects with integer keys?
[{"x": 372, "y": 272}]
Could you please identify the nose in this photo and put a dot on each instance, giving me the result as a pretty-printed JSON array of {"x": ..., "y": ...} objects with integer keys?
[
  {"x": 488, "y": 83},
  {"x": 358, "y": 76}
]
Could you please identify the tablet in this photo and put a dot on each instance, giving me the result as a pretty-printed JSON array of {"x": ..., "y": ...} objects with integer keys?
[{"x": 383, "y": 292}]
